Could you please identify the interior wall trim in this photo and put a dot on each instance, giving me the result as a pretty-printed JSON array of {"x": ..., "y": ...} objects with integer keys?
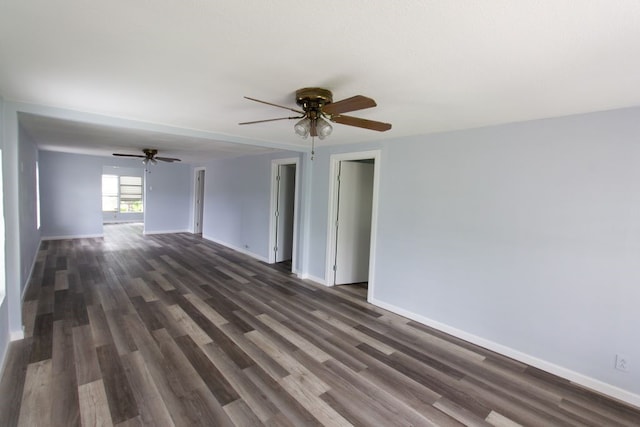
[
  {"x": 576, "y": 377},
  {"x": 30, "y": 275},
  {"x": 73, "y": 236},
  {"x": 147, "y": 233},
  {"x": 236, "y": 248},
  {"x": 315, "y": 279},
  {"x": 16, "y": 335},
  {"x": 330, "y": 250}
]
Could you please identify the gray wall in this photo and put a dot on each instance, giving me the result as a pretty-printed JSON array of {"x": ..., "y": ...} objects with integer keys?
[
  {"x": 71, "y": 199},
  {"x": 319, "y": 204},
  {"x": 237, "y": 202},
  {"x": 19, "y": 156},
  {"x": 526, "y": 236},
  {"x": 10, "y": 307},
  {"x": 78, "y": 211},
  {"x": 29, "y": 232},
  {"x": 168, "y": 198},
  {"x": 4, "y": 304},
  {"x": 71, "y": 187}
]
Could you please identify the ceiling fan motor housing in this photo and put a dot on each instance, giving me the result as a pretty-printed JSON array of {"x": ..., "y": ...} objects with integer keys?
[
  {"x": 313, "y": 98},
  {"x": 150, "y": 152}
]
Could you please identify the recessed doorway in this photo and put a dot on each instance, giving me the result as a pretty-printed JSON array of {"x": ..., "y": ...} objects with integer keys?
[
  {"x": 283, "y": 219},
  {"x": 198, "y": 201},
  {"x": 352, "y": 219}
]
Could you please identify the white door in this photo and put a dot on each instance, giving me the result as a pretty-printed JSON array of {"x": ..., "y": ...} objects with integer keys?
[
  {"x": 199, "y": 202},
  {"x": 284, "y": 212},
  {"x": 353, "y": 239}
]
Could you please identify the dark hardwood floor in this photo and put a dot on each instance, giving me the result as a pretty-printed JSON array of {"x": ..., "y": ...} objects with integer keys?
[{"x": 174, "y": 330}]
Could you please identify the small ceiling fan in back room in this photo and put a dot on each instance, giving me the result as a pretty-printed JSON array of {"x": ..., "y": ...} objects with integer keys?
[
  {"x": 150, "y": 156},
  {"x": 318, "y": 109}
]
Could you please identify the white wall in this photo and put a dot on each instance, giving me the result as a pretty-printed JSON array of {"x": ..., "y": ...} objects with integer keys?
[
  {"x": 29, "y": 232},
  {"x": 237, "y": 202}
]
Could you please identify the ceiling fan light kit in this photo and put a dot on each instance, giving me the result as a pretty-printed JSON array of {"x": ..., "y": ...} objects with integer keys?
[
  {"x": 303, "y": 127},
  {"x": 323, "y": 128},
  {"x": 318, "y": 109}
]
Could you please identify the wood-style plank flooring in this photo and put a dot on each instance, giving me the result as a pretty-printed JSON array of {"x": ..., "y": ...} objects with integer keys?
[{"x": 170, "y": 330}]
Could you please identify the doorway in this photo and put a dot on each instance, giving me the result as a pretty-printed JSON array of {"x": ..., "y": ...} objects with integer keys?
[
  {"x": 284, "y": 196},
  {"x": 198, "y": 207},
  {"x": 352, "y": 219}
]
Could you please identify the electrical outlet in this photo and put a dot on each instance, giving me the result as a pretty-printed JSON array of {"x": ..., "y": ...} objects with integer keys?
[{"x": 622, "y": 363}]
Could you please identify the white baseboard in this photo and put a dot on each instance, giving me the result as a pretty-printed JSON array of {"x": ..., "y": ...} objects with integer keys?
[
  {"x": 147, "y": 233},
  {"x": 315, "y": 279},
  {"x": 576, "y": 377},
  {"x": 16, "y": 335},
  {"x": 30, "y": 275},
  {"x": 13, "y": 336},
  {"x": 3, "y": 358},
  {"x": 236, "y": 248},
  {"x": 73, "y": 236}
]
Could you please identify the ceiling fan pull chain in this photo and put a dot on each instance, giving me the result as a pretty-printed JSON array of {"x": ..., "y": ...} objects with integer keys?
[{"x": 313, "y": 146}]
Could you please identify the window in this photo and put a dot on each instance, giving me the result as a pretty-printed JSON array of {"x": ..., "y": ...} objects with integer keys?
[
  {"x": 131, "y": 194},
  {"x": 110, "y": 193},
  {"x": 38, "y": 222},
  {"x": 122, "y": 194},
  {"x": 2, "y": 243}
]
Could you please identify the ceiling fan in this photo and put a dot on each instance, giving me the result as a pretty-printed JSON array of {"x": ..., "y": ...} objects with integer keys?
[
  {"x": 149, "y": 156},
  {"x": 318, "y": 107}
]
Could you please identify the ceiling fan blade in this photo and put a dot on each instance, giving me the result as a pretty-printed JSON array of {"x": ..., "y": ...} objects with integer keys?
[
  {"x": 270, "y": 120},
  {"x": 354, "y": 103},
  {"x": 361, "y": 123},
  {"x": 275, "y": 105},
  {"x": 167, "y": 159},
  {"x": 128, "y": 155}
]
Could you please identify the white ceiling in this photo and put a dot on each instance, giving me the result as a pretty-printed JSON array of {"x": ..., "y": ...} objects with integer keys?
[
  {"x": 95, "y": 139},
  {"x": 431, "y": 66}
]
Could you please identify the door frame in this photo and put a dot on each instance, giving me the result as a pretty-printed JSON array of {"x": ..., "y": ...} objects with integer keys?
[
  {"x": 334, "y": 163},
  {"x": 275, "y": 164},
  {"x": 195, "y": 195}
]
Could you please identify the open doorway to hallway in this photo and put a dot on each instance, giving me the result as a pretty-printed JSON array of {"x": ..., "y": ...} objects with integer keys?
[
  {"x": 198, "y": 200},
  {"x": 283, "y": 223},
  {"x": 352, "y": 217}
]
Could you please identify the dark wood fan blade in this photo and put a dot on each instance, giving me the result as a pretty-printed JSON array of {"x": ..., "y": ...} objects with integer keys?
[
  {"x": 361, "y": 123},
  {"x": 270, "y": 120},
  {"x": 167, "y": 159},
  {"x": 129, "y": 155},
  {"x": 354, "y": 103},
  {"x": 275, "y": 105}
]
